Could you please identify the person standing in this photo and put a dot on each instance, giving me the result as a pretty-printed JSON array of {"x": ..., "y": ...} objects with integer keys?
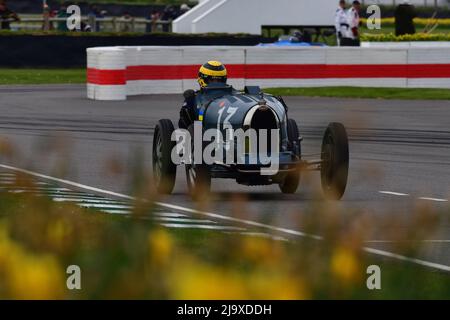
[
  {"x": 404, "y": 15},
  {"x": 6, "y": 15},
  {"x": 354, "y": 22},
  {"x": 62, "y": 14},
  {"x": 341, "y": 22},
  {"x": 183, "y": 9}
]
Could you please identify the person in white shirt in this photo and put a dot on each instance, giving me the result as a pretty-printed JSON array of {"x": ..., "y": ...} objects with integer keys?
[
  {"x": 341, "y": 22},
  {"x": 353, "y": 20}
]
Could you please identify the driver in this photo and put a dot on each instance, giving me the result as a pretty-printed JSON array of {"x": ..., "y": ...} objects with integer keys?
[{"x": 209, "y": 73}]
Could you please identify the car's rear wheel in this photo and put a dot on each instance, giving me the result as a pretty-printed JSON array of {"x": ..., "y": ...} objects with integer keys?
[
  {"x": 164, "y": 170},
  {"x": 335, "y": 161},
  {"x": 197, "y": 175}
]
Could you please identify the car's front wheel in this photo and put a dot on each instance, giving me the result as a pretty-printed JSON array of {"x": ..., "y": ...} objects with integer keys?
[
  {"x": 289, "y": 184},
  {"x": 164, "y": 170}
]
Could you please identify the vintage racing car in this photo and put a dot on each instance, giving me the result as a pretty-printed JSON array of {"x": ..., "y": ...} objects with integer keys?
[{"x": 222, "y": 108}]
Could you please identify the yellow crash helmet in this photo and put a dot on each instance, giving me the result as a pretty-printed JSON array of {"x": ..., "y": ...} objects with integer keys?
[{"x": 212, "y": 71}]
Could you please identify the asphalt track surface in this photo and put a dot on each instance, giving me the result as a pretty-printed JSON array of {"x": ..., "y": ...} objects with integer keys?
[{"x": 399, "y": 156}]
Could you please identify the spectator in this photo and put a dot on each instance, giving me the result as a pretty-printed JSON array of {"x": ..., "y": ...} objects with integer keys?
[
  {"x": 404, "y": 15},
  {"x": 6, "y": 15},
  {"x": 169, "y": 14},
  {"x": 183, "y": 9},
  {"x": 93, "y": 15},
  {"x": 126, "y": 21},
  {"x": 154, "y": 18},
  {"x": 47, "y": 14},
  {"x": 341, "y": 22},
  {"x": 85, "y": 27},
  {"x": 62, "y": 14},
  {"x": 354, "y": 23}
]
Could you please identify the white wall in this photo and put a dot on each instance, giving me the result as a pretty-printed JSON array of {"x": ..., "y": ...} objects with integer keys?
[
  {"x": 247, "y": 16},
  {"x": 183, "y": 24}
]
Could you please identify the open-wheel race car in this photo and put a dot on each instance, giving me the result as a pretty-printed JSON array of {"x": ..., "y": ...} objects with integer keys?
[{"x": 221, "y": 108}]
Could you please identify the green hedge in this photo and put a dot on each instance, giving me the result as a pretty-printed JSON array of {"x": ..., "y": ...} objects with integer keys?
[{"x": 406, "y": 37}]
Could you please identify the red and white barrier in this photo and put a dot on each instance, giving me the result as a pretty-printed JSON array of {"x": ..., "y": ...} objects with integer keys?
[{"x": 117, "y": 72}]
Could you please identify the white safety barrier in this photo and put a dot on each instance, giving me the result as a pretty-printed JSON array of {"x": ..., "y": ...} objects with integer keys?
[{"x": 117, "y": 72}]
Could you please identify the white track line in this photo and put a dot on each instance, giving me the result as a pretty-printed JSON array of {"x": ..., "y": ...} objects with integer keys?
[
  {"x": 397, "y": 241},
  {"x": 227, "y": 218},
  {"x": 262, "y": 235},
  {"x": 104, "y": 206},
  {"x": 81, "y": 200},
  {"x": 200, "y": 226},
  {"x": 408, "y": 259},
  {"x": 433, "y": 199},
  {"x": 183, "y": 220},
  {"x": 114, "y": 211},
  {"x": 392, "y": 193},
  {"x": 168, "y": 214}
]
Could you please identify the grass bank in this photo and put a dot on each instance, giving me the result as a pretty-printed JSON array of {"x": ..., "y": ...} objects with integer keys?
[
  {"x": 370, "y": 93},
  {"x": 42, "y": 76},
  {"x": 74, "y": 76}
]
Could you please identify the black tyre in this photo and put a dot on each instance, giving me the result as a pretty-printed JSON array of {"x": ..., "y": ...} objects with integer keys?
[
  {"x": 197, "y": 175},
  {"x": 293, "y": 135},
  {"x": 290, "y": 183},
  {"x": 335, "y": 159},
  {"x": 164, "y": 170}
]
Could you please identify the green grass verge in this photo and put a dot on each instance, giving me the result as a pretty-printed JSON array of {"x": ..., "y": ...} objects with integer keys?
[
  {"x": 370, "y": 93},
  {"x": 42, "y": 76}
]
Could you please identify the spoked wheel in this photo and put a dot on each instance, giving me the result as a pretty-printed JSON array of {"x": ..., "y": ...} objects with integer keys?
[
  {"x": 164, "y": 170},
  {"x": 335, "y": 160},
  {"x": 197, "y": 175},
  {"x": 289, "y": 184}
]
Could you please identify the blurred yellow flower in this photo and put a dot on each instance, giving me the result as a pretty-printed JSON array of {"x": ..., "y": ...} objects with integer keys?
[
  {"x": 198, "y": 281},
  {"x": 281, "y": 286},
  {"x": 345, "y": 265},
  {"x": 58, "y": 233},
  {"x": 261, "y": 250},
  {"x": 160, "y": 246},
  {"x": 35, "y": 277},
  {"x": 29, "y": 276}
]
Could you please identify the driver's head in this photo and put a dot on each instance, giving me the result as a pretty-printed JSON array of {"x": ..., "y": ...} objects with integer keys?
[{"x": 212, "y": 72}]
